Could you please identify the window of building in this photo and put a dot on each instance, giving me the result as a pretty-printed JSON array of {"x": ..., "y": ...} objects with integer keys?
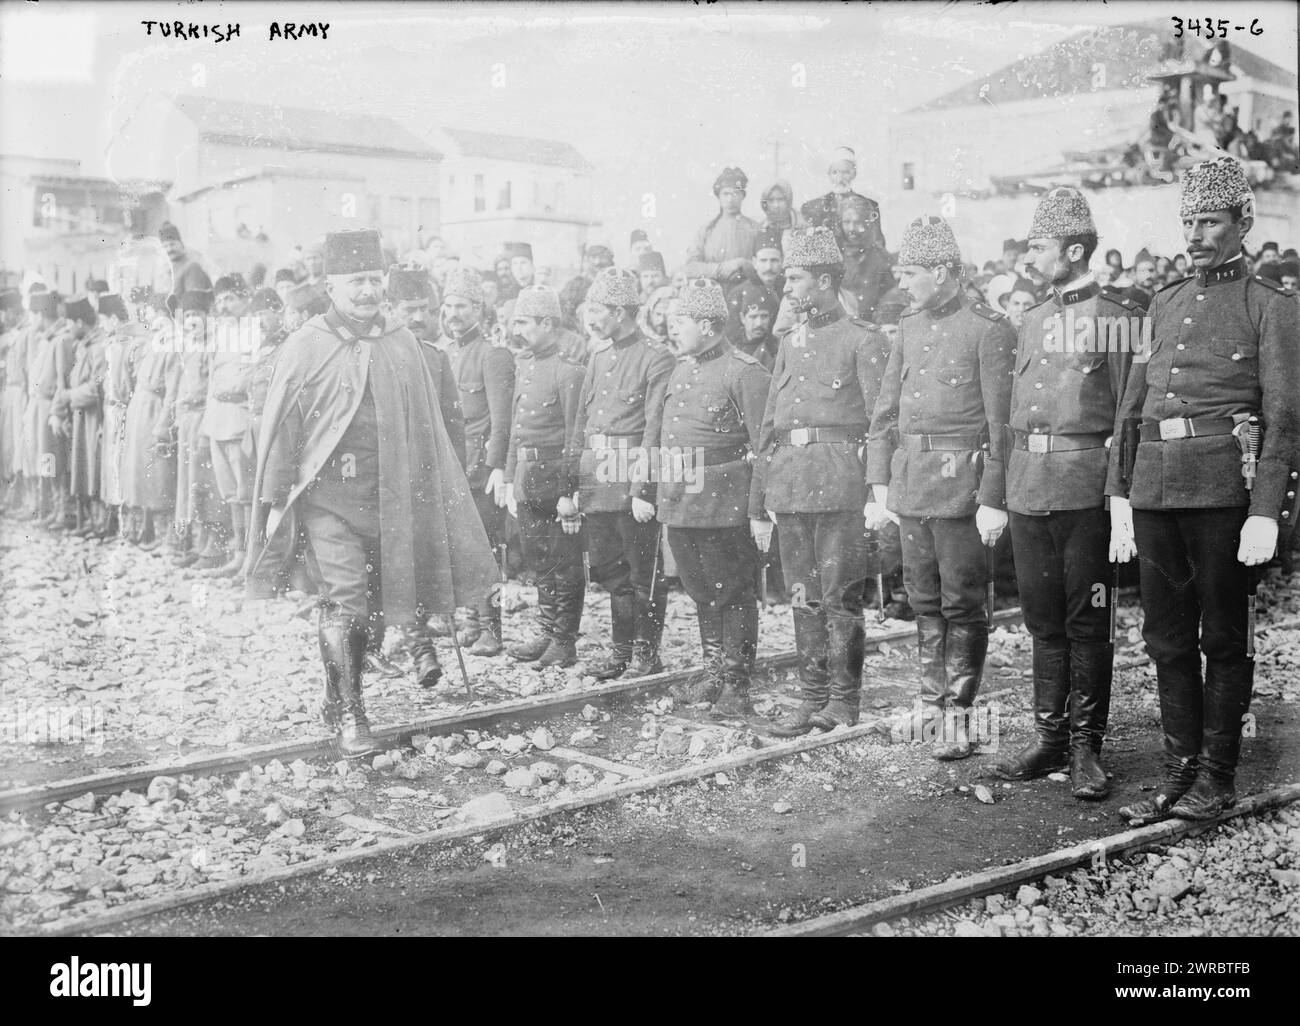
[
  {"x": 503, "y": 197},
  {"x": 480, "y": 195}
]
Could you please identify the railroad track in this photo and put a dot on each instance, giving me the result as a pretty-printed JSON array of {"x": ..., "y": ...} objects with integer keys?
[
  {"x": 951, "y": 893},
  {"x": 543, "y": 706}
]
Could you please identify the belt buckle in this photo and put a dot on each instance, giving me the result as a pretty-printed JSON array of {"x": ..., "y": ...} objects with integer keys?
[
  {"x": 1038, "y": 443},
  {"x": 800, "y": 436},
  {"x": 1173, "y": 428}
]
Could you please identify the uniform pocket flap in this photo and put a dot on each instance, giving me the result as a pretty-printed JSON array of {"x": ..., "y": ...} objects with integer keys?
[{"x": 1234, "y": 348}]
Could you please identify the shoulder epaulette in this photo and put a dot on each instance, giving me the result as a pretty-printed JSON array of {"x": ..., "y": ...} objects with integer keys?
[
  {"x": 1119, "y": 296},
  {"x": 1276, "y": 286},
  {"x": 987, "y": 312},
  {"x": 742, "y": 356},
  {"x": 909, "y": 312},
  {"x": 861, "y": 323},
  {"x": 1174, "y": 284}
]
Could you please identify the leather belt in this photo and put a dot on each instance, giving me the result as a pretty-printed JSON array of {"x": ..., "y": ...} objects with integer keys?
[
  {"x": 1031, "y": 441},
  {"x": 1181, "y": 427},
  {"x": 807, "y": 436},
  {"x": 713, "y": 457},
  {"x": 526, "y": 454},
  {"x": 607, "y": 441},
  {"x": 929, "y": 443}
]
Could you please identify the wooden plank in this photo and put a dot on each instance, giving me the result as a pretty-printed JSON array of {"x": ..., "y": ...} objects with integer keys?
[
  {"x": 573, "y": 755},
  {"x": 990, "y": 881}
]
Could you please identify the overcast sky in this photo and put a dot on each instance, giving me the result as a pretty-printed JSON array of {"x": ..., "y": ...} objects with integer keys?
[{"x": 658, "y": 96}]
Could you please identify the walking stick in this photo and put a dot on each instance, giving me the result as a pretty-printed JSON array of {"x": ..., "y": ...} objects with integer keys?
[
  {"x": 460, "y": 658},
  {"x": 988, "y": 595},
  {"x": 1114, "y": 600},
  {"x": 1250, "y": 463}
]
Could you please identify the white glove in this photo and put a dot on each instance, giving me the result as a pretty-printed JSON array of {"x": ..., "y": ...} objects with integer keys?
[
  {"x": 1258, "y": 541},
  {"x": 512, "y": 505},
  {"x": 990, "y": 522},
  {"x": 1122, "y": 545},
  {"x": 762, "y": 532},
  {"x": 642, "y": 512},
  {"x": 496, "y": 487},
  {"x": 875, "y": 514}
]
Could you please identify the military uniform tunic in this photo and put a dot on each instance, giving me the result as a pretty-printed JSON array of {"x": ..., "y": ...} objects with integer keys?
[{"x": 1223, "y": 348}]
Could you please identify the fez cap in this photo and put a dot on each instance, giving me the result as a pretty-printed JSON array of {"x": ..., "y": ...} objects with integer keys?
[
  {"x": 928, "y": 242},
  {"x": 615, "y": 287},
  {"x": 408, "y": 283},
  {"x": 537, "y": 301},
  {"x": 306, "y": 299},
  {"x": 465, "y": 282},
  {"x": 167, "y": 230},
  {"x": 111, "y": 305},
  {"x": 812, "y": 247},
  {"x": 768, "y": 238},
  {"x": 285, "y": 274},
  {"x": 753, "y": 295},
  {"x": 79, "y": 309},
  {"x": 233, "y": 283},
  {"x": 96, "y": 285},
  {"x": 11, "y": 299},
  {"x": 1216, "y": 185},
  {"x": 841, "y": 153},
  {"x": 638, "y": 235},
  {"x": 1062, "y": 212},
  {"x": 597, "y": 250},
  {"x": 266, "y": 299},
  {"x": 652, "y": 261},
  {"x": 348, "y": 252},
  {"x": 519, "y": 249}
]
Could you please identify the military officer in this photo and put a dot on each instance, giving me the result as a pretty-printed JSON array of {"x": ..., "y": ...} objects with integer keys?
[
  {"x": 713, "y": 412},
  {"x": 810, "y": 477},
  {"x": 77, "y": 408},
  {"x": 539, "y": 474},
  {"x": 1223, "y": 350},
  {"x": 935, "y": 462},
  {"x": 485, "y": 377},
  {"x": 13, "y": 392},
  {"x": 827, "y": 210},
  {"x": 1073, "y": 358},
  {"x": 618, "y": 420},
  {"x": 356, "y": 472}
]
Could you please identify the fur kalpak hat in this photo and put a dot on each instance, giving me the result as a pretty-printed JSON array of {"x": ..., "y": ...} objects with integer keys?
[
  {"x": 465, "y": 282},
  {"x": 929, "y": 242},
  {"x": 703, "y": 298},
  {"x": 812, "y": 247},
  {"x": 408, "y": 283},
  {"x": 1062, "y": 212},
  {"x": 352, "y": 251},
  {"x": 1215, "y": 185},
  {"x": 615, "y": 287},
  {"x": 538, "y": 301}
]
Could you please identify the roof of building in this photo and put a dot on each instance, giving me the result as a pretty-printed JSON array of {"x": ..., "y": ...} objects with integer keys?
[
  {"x": 1129, "y": 53},
  {"x": 298, "y": 128},
  {"x": 517, "y": 148},
  {"x": 272, "y": 171}
]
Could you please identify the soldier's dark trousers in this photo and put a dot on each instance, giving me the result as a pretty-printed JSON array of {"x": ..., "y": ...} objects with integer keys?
[
  {"x": 345, "y": 568},
  {"x": 493, "y": 518},
  {"x": 1193, "y": 602},
  {"x": 1064, "y": 577},
  {"x": 718, "y": 567},
  {"x": 556, "y": 559},
  {"x": 622, "y": 557},
  {"x": 826, "y": 558}
]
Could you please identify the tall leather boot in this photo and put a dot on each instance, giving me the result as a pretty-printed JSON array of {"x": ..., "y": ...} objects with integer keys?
[
  {"x": 622, "y": 613},
  {"x": 706, "y": 685},
  {"x": 925, "y": 721},
  {"x": 964, "y": 650},
  {"x": 1227, "y": 697},
  {"x": 354, "y": 727},
  {"x": 570, "y": 590},
  {"x": 739, "y": 647},
  {"x": 649, "y": 632},
  {"x": 489, "y": 641},
  {"x": 1090, "y": 673},
  {"x": 547, "y": 601},
  {"x": 331, "y": 637},
  {"x": 1047, "y": 752},
  {"x": 376, "y": 662},
  {"x": 847, "y": 647},
  {"x": 1181, "y": 718},
  {"x": 424, "y": 656},
  {"x": 810, "y": 638},
  {"x": 85, "y": 520}
]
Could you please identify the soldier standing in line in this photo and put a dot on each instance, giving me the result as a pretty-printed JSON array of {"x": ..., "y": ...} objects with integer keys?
[
  {"x": 541, "y": 475},
  {"x": 485, "y": 378},
  {"x": 1204, "y": 518},
  {"x": 355, "y": 465},
  {"x": 149, "y": 448},
  {"x": 124, "y": 333},
  {"x": 724, "y": 248},
  {"x": 13, "y": 400},
  {"x": 713, "y": 411},
  {"x": 76, "y": 413},
  {"x": 1073, "y": 358},
  {"x": 936, "y": 463},
  {"x": 810, "y": 476},
  {"x": 40, "y": 451},
  {"x": 618, "y": 418}
]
